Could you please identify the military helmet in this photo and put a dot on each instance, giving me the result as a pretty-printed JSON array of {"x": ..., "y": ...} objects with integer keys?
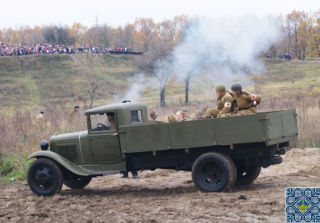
[
  {"x": 236, "y": 87},
  {"x": 220, "y": 88}
]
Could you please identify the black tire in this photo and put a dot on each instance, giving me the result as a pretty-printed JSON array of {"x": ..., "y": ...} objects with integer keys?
[
  {"x": 44, "y": 177},
  {"x": 247, "y": 177},
  {"x": 213, "y": 172},
  {"x": 234, "y": 168},
  {"x": 75, "y": 181}
]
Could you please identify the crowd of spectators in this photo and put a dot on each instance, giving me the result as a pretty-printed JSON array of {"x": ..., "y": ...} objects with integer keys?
[{"x": 46, "y": 48}]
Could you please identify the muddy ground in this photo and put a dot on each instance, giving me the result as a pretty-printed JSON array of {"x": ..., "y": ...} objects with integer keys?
[{"x": 164, "y": 196}]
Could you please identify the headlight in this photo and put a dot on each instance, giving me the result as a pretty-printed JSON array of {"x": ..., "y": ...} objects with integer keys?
[{"x": 44, "y": 145}]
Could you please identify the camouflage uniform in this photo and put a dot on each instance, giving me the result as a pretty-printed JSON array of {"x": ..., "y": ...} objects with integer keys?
[{"x": 225, "y": 104}]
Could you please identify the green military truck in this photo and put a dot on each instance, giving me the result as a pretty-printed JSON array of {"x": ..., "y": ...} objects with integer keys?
[{"x": 219, "y": 152}]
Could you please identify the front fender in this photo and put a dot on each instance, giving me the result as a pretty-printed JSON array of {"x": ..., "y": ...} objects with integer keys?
[{"x": 74, "y": 168}]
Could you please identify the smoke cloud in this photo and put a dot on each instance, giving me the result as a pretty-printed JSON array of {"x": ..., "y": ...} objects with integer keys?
[
  {"x": 137, "y": 85},
  {"x": 224, "y": 50}
]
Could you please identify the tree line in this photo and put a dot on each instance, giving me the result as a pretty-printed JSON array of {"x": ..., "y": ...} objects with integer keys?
[{"x": 300, "y": 35}]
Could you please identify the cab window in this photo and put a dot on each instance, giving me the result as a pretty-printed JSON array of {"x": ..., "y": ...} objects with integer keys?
[
  {"x": 103, "y": 122},
  {"x": 136, "y": 116}
]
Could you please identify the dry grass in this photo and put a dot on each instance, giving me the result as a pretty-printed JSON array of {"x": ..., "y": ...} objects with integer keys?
[{"x": 22, "y": 132}]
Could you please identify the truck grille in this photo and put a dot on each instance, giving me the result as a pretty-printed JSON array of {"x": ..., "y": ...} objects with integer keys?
[{"x": 68, "y": 151}]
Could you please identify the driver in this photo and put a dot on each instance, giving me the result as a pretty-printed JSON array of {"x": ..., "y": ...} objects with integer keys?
[{"x": 111, "y": 120}]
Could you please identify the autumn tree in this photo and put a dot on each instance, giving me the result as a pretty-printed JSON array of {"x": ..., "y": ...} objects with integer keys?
[
  {"x": 295, "y": 20},
  {"x": 76, "y": 31},
  {"x": 314, "y": 38},
  {"x": 10, "y": 36}
]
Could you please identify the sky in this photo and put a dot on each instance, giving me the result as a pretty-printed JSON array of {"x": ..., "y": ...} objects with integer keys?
[{"x": 16, "y": 13}]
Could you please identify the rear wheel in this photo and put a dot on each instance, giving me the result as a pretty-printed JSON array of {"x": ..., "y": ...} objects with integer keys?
[
  {"x": 75, "y": 181},
  {"x": 44, "y": 177},
  {"x": 213, "y": 172},
  {"x": 247, "y": 177}
]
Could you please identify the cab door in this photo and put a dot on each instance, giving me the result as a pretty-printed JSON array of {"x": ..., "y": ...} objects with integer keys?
[{"x": 103, "y": 142}]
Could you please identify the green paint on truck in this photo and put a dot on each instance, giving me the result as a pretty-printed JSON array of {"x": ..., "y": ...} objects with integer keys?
[{"x": 220, "y": 152}]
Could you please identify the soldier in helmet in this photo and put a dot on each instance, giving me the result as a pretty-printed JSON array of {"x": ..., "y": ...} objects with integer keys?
[
  {"x": 246, "y": 102},
  {"x": 225, "y": 104}
]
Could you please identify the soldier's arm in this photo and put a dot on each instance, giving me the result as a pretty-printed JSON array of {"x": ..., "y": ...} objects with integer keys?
[
  {"x": 227, "y": 106},
  {"x": 256, "y": 99}
]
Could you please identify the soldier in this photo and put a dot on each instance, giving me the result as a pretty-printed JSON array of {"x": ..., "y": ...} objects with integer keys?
[
  {"x": 181, "y": 115},
  {"x": 40, "y": 117},
  {"x": 73, "y": 112},
  {"x": 153, "y": 116},
  {"x": 246, "y": 102},
  {"x": 111, "y": 120},
  {"x": 225, "y": 104}
]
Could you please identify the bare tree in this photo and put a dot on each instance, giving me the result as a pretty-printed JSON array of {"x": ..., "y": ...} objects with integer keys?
[
  {"x": 88, "y": 65},
  {"x": 92, "y": 91},
  {"x": 152, "y": 64},
  {"x": 186, "y": 89}
]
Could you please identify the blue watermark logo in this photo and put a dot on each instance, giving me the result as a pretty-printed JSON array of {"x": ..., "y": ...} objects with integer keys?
[{"x": 302, "y": 204}]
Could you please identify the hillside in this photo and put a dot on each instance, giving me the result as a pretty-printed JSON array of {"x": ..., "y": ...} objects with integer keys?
[
  {"x": 36, "y": 82},
  {"x": 43, "y": 80}
]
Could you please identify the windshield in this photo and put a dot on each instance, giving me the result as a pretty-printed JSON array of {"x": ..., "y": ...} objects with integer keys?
[{"x": 103, "y": 121}]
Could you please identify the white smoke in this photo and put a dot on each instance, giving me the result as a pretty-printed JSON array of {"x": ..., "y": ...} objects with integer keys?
[
  {"x": 223, "y": 49},
  {"x": 226, "y": 48},
  {"x": 137, "y": 85}
]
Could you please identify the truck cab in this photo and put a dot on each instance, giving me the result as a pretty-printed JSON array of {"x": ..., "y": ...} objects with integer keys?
[{"x": 103, "y": 130}]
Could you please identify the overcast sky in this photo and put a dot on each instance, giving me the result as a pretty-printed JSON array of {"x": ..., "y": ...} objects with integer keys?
[{"x": 16, "y": 13}]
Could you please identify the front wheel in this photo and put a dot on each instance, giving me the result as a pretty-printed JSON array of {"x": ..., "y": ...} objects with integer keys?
[
  {"x": 75, "y": 181},
  {"x": 44, "y": 177},
  {"x": 213, "y": 172},
  {"x": 247, "y": 177}
]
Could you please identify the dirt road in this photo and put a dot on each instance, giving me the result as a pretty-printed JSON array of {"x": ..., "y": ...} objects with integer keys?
[{"x": 164, "y": 196}]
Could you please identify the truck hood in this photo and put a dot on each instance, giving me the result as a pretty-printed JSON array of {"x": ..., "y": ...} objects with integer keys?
[{"x": 68, "y": 136}]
